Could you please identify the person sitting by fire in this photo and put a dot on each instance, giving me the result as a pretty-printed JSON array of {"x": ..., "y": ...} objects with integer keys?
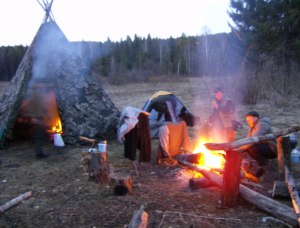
[
  {"x": 221, "y": 123},
  {"x": 263, "y": 151},
  {"x": 35, "y": 111}
]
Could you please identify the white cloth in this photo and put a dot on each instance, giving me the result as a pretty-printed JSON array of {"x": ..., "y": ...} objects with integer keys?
[{"x": 127, "y": 121}]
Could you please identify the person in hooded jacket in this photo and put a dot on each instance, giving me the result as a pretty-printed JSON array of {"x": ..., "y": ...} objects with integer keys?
[{"x": 262, "y": 151}]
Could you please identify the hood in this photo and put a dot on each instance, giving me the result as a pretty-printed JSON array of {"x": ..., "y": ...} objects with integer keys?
[{"x": 266, "y": 120}]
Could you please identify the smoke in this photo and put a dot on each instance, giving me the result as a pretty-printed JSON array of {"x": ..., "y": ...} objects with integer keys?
[{"x": 221, "y": 64}]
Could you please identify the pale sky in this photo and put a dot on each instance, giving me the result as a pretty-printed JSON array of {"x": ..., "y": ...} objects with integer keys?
[{"x": 97, "y": 20}]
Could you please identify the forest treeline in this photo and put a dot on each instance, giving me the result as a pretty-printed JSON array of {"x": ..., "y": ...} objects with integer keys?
[
  {"x": 139, "y": 58},
  {"x": 263, "y": 49}
]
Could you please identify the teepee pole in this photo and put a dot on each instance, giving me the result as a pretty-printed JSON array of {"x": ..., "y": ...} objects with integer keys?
[{"x": 47, "y": 7}]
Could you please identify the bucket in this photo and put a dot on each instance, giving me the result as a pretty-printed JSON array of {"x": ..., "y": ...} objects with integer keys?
[
  {"x": 295, "y": 156},
  {"x": 102, "y": 146}
]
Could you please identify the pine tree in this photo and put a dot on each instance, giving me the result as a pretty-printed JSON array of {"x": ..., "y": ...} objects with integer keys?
[{"x": 269, "y": 25}]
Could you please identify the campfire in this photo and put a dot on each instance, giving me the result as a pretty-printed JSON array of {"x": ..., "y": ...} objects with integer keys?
[
  {"x": 52, "y": 121},
  {"x": 55, "y": 127},
  {"x": 209, "y": 159}
]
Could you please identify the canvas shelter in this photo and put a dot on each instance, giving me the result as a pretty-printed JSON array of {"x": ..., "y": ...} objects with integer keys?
[
  {"x": 54, "y": 69},
  {"x": 165, "y": 106}
]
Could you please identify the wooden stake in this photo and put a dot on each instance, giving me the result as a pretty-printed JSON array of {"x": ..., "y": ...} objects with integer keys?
[
  {"x": 139, "y": 219},
  {"x": 231, "y": 179},
  {"x": 15, "y": 201},
  {"x": 283, "y": 154}
]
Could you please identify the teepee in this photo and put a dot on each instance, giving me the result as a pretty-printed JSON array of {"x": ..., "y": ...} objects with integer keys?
[{"x": 84, "y": 108}]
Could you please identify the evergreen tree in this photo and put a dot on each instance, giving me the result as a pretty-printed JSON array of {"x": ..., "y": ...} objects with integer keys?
[{"x": 269, "y": 25}]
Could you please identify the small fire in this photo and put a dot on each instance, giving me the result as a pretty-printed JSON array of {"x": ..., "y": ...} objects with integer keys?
[
  {"x": 209, "y": 159},
  {"x": 57, "y": 127}
]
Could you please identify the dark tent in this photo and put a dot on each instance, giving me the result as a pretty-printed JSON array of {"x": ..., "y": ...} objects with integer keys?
[
  {"x": 84, "y": 108},
  {"x": 157, "y": 105}
]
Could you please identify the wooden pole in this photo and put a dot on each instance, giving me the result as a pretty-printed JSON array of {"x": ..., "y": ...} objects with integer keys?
[
  {"x": 283, "y": 154},
  {"x": 231, "y": 179},
  {"x": 267, "y": 204},
  {"x": 15, "y": 201},
  {"x": 250, "y": 140}
]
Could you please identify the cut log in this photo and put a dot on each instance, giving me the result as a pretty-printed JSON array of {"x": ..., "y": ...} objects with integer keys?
[
  {"x": 251, "y": 140},
  {"x": 289, "y": 180},
  {"x": 202, "y": 182},
  {"x": 120, "y": 184},
  {"x": 15, "y": 201},
  {"x": 269, "y": 205},
  {"x": 191, "y": 158},
  {"x": 97, "y": 166},
  {"x": 231, "y": 179},
  {"x": 280, "y": 189},
  {"x": 139, "y": 219}
]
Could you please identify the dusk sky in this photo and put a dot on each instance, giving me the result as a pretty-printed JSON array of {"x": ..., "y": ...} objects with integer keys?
[{"x": 98, "y": 20}]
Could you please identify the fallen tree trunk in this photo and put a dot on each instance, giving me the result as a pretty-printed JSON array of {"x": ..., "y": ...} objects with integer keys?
[
  {"x": 15, "y": 201},
  {"x": 289, "y": 180},
  {"x": 269, "y": 205},
  {"x": 251, "y": 140}
]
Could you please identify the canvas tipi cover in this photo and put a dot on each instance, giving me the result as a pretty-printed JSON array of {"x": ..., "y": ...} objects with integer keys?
[{"x": 84, "y": 107}]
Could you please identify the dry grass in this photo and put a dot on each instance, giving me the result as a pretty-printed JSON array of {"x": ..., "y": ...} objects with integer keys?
[{"x": 63, "y": 196}]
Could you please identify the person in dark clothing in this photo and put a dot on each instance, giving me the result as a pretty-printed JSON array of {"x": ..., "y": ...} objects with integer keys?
[
  {"x": 221, "y": 121},
  {"x": 34, "y": 110},
  {"x": 262, "y": 151}
]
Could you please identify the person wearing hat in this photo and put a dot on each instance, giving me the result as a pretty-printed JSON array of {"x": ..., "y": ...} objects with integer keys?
[
  {"x": 221, "y": 122},
  {"x": 261, "y": 151}
]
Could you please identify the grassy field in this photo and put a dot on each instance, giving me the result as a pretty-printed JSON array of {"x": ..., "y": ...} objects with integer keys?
[{"x": 63, "y": 196}]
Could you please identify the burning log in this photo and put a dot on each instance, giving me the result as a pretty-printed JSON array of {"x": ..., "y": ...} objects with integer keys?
[
  {"x": 191, "y": 158},
  {"x": 15, "y": 201},
  {"x": 269, "y": 205},
  {"x": 251, "y": 140}
]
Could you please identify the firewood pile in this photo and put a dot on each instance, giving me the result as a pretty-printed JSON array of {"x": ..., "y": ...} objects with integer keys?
[{"x": 232, "y": 186}]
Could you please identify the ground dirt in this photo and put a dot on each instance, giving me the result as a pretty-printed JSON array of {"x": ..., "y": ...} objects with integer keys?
[{"x": 62, "y": 195}]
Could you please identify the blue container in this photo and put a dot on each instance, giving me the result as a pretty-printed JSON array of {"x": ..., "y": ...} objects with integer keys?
[
  {"x": 295, "y": 156},
  {"x": 102, "y": 146}
]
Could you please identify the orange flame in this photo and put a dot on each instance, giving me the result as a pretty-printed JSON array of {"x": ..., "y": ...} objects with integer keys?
[
  {"x": 57, "y": 127},
  {"x": 209, "y": 159}
]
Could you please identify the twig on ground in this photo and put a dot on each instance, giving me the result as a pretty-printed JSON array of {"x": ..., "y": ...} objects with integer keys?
[{"x": 199, "y": 216}]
